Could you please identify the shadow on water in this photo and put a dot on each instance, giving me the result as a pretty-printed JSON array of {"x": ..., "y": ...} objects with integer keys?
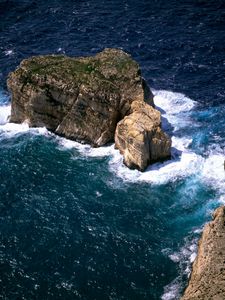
[
  {"x": 166, "y": 125},
  {"x": 175, "y": 157},
  {"x": 162, "y": 111}
]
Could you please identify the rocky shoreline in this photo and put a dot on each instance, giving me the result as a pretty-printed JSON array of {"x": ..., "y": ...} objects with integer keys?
[
  {"x": 95, "y": 100},
  {"x": 207, "y": 280}
]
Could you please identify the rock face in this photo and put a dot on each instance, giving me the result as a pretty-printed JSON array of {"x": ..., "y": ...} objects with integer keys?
[
  {"x": 84, "y": 98},
  {"x": 207, "y": 280},
  {"x": 140, "y": 138}
]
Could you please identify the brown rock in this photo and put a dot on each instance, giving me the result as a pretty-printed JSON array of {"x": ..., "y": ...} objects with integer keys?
[
  {"x": 79, "y": 98},
  {"x": 84, "y": 98},
  {"x": 140, "y": 138},
  {"x": 207, "y": 279}
]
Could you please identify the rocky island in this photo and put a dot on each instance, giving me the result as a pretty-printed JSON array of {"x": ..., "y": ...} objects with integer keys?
[
  {"x": 95, "y": 100},
  {"x": 207, "y": 279}
]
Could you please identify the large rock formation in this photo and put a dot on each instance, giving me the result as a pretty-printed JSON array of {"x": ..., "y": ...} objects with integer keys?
[
  {"x": 84, "y": 98},
  {"x": 207, "y": 279},
  {"x": 140, "y": 138}
]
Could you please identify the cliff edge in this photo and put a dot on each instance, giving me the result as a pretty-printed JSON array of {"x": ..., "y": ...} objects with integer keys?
[{"x": 207, "y": 279}]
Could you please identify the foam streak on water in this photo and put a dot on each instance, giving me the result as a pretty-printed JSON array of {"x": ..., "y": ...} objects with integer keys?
[{"x": 184, "y": 258}]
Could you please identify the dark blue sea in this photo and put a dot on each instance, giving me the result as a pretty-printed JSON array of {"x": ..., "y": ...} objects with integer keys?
[{"x": 74, "y": 222}]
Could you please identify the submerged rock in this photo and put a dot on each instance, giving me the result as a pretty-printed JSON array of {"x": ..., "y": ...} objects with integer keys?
[
  {"x": 207, "y": 279},
  {"x": 84, "y": 98}
]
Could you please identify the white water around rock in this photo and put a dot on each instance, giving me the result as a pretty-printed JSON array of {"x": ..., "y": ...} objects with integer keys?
[{"x": 176, "y": 110}]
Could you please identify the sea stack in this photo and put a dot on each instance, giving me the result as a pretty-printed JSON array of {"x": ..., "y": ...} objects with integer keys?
[
  {"x": 93, "y": 100},
  {"x": 207, "y": 279}
]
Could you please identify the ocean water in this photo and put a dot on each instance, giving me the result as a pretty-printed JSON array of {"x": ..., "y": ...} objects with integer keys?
[{"x": 75, "y": 223}]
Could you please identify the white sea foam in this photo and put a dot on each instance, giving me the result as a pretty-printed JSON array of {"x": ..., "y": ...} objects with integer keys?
[
  {"x": 173, "y": 106},
  {"x": 9, "y": 52},
  {"x": 86, "y": 149},
  {"x": 98, "y": 194},
  {"x": 172, "y": 103},
  {"x": 184, "y": 258},
  {"x": 159, "y": 173},
  {"x": 180, "y": 144},
  {"x": 4, "y": 114},
  {"x": 183, "y": 163},
  {"x": 171, "y": 291},
  {"x": 213, "y": 173},
  {"x": 186, "y": 255},
  {"x": 11, "y": 129},
  {"x": 193, "y": 257}
]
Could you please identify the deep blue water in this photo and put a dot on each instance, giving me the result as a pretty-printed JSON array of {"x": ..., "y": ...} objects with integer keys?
[{"x": 74, "y": 222}]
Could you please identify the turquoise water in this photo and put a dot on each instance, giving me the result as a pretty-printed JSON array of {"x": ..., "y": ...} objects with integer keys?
[{"x": 75, "y": 222}]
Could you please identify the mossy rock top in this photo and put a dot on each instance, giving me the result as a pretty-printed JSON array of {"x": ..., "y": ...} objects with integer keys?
[{"x": 112, "y": 66}]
